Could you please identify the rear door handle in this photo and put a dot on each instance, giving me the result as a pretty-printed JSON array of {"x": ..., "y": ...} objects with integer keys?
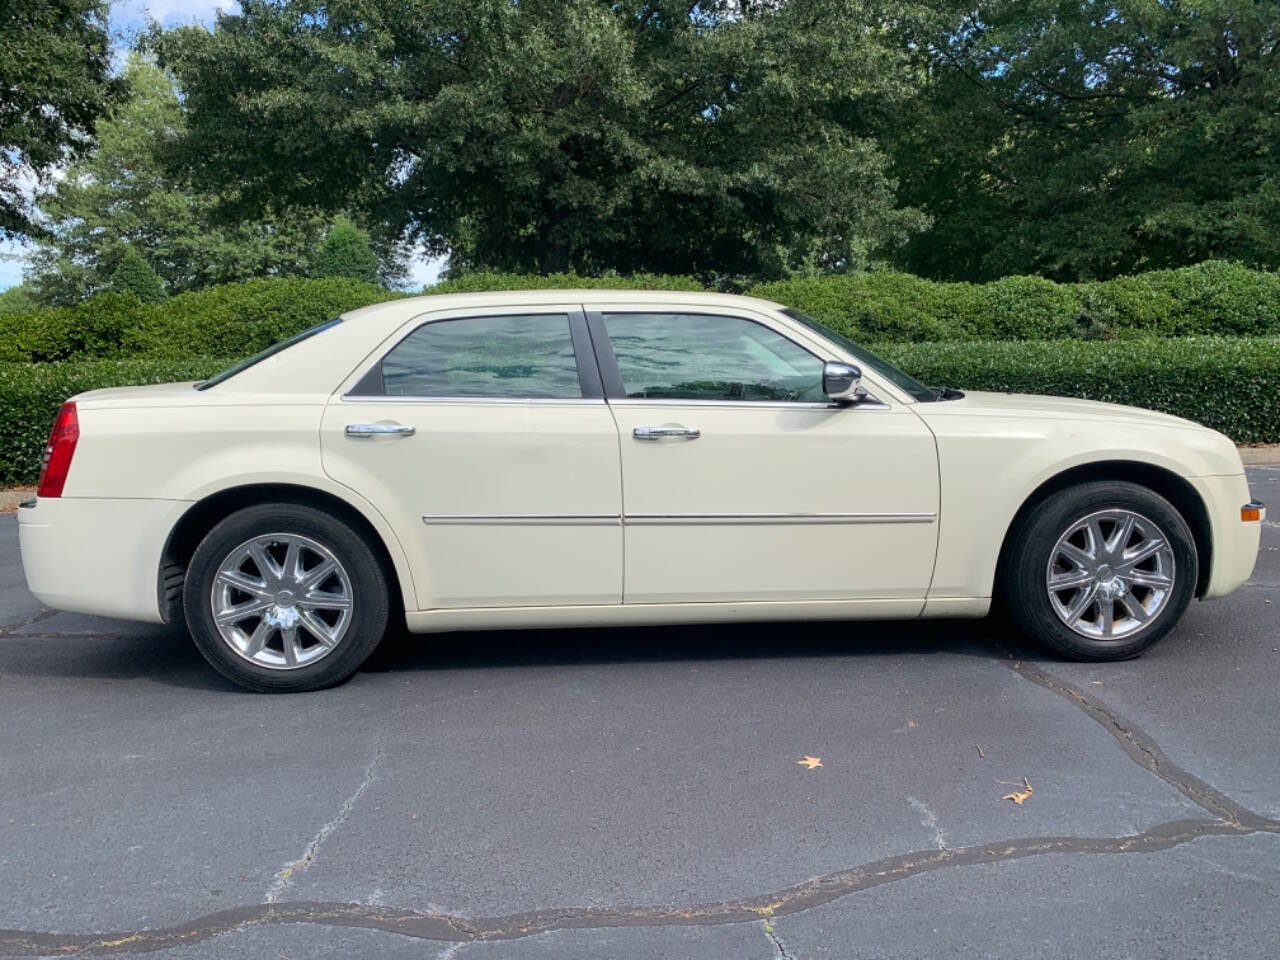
[
  {"x": 379, "y": 430},
  {"x": 666, "y": 430}
]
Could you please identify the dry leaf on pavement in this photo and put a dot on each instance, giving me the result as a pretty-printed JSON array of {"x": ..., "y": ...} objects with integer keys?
[
  {"x": 810, "y": 762},
  {"x": 1020, "y": 796}
]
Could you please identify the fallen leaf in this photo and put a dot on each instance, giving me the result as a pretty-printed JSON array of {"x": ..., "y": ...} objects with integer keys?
[
  {"x": 1020, "y": 796},
  {"x": 911, "y": 724},
  {"x": 981, "y": 755},
  {"x": 809, "y": 762}
]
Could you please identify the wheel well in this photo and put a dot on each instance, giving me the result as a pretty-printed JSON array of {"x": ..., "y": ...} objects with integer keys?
[
  {"x": 1164, "y": 482},
  {"x": 203, "y": 515}
]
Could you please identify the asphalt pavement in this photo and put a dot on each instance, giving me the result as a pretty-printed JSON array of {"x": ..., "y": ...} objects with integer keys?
[{"x": 635, "y": 793}]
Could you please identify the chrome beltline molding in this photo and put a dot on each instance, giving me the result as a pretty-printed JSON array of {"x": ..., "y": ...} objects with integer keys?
[{"x": 669, "y": 519}]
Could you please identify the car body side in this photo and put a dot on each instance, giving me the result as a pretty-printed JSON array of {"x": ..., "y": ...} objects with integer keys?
[{"x": 153, "y": 464}]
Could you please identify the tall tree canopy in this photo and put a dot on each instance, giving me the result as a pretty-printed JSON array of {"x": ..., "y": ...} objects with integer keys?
[
  {"x": 1090, "y": 138},
  {"x": 126, "y": 195},
  {"x": 719, "y": 138},
  {"x": 55, "y": 64}
]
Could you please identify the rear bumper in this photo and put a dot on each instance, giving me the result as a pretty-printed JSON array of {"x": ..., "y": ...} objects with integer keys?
[
  {"x": 1235, "y": 543},
  {"x": 97, "y": 555}
]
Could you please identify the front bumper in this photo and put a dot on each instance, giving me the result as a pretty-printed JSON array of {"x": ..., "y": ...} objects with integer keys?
[
  {"x": 1235, "y": 542},
  {"x": 96, "y": 555}
]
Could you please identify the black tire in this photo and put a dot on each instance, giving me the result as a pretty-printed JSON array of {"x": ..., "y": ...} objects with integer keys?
[
  {"x": 1024, "y": 590},
  {"x": 368, "y": 586}
]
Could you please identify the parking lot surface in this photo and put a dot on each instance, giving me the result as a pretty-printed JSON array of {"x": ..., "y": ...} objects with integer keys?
[{"x": 635, "y": 793}]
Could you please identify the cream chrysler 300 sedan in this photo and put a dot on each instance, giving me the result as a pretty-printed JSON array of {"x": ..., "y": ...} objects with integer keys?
[{"x": 562, "y": 458}]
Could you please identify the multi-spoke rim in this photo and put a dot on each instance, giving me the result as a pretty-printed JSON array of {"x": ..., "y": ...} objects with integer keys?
[
  {"x": 1110, "y": 574},
  {"x": 282, "y": 600}
]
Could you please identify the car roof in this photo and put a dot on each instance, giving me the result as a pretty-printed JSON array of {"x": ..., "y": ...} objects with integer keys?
[{"x": 407, "y": 307}]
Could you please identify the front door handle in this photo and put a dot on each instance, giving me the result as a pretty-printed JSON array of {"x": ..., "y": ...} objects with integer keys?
[
  {"x": 379, "y": 430},
  {"x": 666, "y": 430}
]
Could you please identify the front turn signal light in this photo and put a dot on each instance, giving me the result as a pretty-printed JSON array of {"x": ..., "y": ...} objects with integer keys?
[{"x": 1253, "y": 512}]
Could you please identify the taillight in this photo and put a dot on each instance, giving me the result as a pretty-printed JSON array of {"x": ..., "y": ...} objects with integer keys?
[{"x": 57, "y": 455}]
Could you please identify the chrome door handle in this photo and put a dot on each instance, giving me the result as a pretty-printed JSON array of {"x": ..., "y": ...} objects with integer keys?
[
  {"x": 670, "y": 430},
  {"x": 378, "y": 430}
]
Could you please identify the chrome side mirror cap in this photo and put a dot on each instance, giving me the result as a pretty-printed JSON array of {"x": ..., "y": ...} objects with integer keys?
[{"x": 840, "y": 382}]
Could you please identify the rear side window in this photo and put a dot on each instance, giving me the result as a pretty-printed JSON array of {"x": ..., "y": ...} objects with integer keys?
[
  {"x": 528, "y": 357},
  {"x": 704, "y": 357}
]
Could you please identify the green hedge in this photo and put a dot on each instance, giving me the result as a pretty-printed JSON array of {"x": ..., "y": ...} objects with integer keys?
[
  {"x": 30, "y": 394},
  {"x": 234, "y": 320},
  {"x": 1229, "y": 383},
  {"x": 1212, "y": 298}
]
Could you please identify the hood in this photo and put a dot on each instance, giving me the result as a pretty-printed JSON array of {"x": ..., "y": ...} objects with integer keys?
[{"x": 1028, "y": 406}]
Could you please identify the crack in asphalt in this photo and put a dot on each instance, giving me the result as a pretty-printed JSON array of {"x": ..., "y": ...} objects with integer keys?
[
  {"x": 772, "y": 934},
  {"x": 1230, "y": 819},
  {"x": 1140, "y": 747},
  {"x": 298, "y": 866},
  {"x": 44, "y": 614},
  {"x": 451, "y": 927}
]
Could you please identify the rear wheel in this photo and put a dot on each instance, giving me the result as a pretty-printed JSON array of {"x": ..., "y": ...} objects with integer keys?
[
  {"x": 284, "y": 597},
  {"x": 1100, "y": 571}
]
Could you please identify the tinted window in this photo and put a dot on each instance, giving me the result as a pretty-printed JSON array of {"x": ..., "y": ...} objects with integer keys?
[
  {"x": 700, "y": 357},
  {"x": 509, "y": 356}
]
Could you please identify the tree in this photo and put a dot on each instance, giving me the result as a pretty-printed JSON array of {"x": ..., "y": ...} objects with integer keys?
[
  {"x": 134, "y": 275},
  {"x": 55, "y": 65},
  {"x": 1088, "y": 139},
  {"x": 128, "y": 194},
  {"x": 347, "y": 252},
  {"x": 719, "y": 138}
]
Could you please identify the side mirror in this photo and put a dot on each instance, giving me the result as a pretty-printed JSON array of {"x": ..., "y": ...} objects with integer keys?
[{"x": 840, "y": 382}]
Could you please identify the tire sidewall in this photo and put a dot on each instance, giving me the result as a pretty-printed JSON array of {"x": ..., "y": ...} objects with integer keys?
[
  {"x": 1028, "y": 599},
  {"x": 368, "y": 584}
]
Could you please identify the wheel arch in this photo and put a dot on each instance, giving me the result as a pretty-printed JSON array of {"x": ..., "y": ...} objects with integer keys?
[
  {"x": 1174, "y": 488},
  {"x": 205, "y": 513}
]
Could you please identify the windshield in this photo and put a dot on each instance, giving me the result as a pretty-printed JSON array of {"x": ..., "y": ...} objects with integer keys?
[
  {"x": 883, "y": 367},
  {"x": 275, "y": 348}
]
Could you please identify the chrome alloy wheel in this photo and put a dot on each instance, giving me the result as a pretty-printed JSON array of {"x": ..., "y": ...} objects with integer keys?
[
  {"x": 282, "y": 601},
  {"x": 1110, "y": 574}
]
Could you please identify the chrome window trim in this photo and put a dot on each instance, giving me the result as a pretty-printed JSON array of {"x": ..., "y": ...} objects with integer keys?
[
  {"x": 486, "y": 401},
  {"x": 668, "y": 519},
  {"x": 873, "y": 403}
]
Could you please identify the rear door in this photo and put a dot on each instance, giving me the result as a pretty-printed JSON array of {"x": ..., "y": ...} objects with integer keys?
[
  {"x": 484, "y": 438},
  {"x": 742, "y": 482}
]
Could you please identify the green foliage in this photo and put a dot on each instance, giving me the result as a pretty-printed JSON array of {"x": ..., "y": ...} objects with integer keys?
[
  {"x": 55, "y": 82},
  {"x": 1209, "y": 298},
  {"x": 30, "y": 395},
  {"x": 1087, "y": 140},
  {"x": 234, "y": 320},
  {"x": 347, "y": 252},
  {"x": 126, "y": 194},
  {"x": 17, "y": 299},
  {"x": 134, "y": 276},
  {"x": 723, "y": 138},
  {"x": 485, "y": 281},
  {"x": 1228, "y": 383}
]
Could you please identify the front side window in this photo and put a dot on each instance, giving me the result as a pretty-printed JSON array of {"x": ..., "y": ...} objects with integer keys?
[
  {"x": 685, "y": 356},
  {"x": 506, "y": 356}
]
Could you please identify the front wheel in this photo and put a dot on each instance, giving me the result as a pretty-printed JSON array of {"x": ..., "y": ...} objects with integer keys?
[
  {"x": 1100, "y": 571},
  {"x": 283, "y": 597}
]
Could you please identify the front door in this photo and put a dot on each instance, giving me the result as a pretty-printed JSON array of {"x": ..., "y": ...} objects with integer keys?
[
  {"x": 741, "y": 482},
  {"x": 491, "y": 451}
]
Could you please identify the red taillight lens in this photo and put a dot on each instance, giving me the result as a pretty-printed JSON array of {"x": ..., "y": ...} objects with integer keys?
[{"x": 57, "y": 455}]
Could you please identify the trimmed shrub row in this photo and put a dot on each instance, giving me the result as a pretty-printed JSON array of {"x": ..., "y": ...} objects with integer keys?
[
  {"x": 239, "y": 319},
  {"x": 1231, "y": 384},
  {"x": 1241, "y": 374},
  {"x": 1212, "y": 298}
]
